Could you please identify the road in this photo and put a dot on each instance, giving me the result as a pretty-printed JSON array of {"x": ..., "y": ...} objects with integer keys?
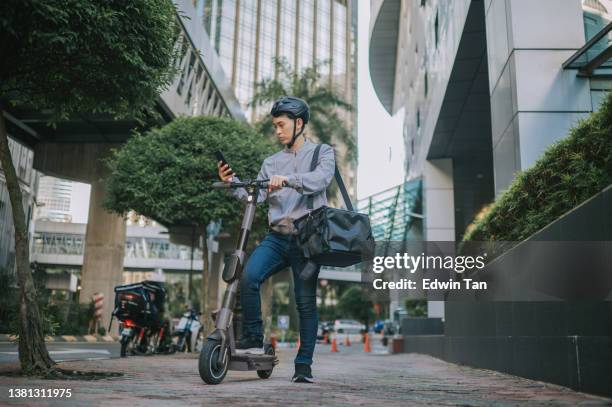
[
  {"x": 347, "y": 378},
  {"x": 65, "y": 351}
]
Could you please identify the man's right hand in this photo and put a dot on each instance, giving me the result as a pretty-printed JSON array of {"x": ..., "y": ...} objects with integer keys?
[{"x": 225, "y": 172}]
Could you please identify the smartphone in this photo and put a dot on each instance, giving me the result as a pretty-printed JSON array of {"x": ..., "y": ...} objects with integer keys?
[{"x": 220, "y": 157}]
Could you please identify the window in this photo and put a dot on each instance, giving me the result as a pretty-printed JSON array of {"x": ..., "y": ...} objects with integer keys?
[
  {"x": 423, "y": 3},
  {"x": 418, "y": 118},
  {"x": 426, "y": 84},
  {"x": 436, "y": 30}
]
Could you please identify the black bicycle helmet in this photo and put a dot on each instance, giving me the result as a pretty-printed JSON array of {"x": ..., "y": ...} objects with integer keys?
[{"x": 294, "y": 108}]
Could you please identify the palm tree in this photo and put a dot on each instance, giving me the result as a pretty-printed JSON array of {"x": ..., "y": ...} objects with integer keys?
[{"x": 325, "y": 103}]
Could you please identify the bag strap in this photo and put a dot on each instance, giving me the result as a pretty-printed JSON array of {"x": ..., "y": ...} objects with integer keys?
[
  {"x": 339, "y": 181},
  {"x": 313, "y": 166},
  {"x": 345, "y": 195}
]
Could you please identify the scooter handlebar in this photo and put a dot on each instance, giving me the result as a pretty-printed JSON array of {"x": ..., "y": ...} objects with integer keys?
[
  {"x": 221, "y": 184},
  {"x": 262, "y": 183}
]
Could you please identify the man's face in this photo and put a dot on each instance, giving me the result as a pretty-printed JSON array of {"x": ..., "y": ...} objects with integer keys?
[{"x": 283, "y": 128}]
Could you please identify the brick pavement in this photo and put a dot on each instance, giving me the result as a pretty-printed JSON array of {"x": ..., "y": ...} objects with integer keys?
[{"x": 348, "y": 378}]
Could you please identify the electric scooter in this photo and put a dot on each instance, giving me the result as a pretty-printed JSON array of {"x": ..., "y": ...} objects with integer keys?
[{"x": 218, "y": 354}]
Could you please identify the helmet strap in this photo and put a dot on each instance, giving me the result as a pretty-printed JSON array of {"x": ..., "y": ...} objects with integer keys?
[{"x": 295, "y": 136}]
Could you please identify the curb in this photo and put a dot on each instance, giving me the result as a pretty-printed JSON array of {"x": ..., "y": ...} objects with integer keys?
[{"x": 65, "y": 338}]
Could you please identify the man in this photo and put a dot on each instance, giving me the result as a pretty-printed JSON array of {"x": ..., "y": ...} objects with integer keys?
[{"x": 289, "y": 167}]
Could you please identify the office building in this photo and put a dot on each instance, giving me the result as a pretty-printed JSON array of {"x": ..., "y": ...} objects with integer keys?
[{"x": 248, "y": 35}]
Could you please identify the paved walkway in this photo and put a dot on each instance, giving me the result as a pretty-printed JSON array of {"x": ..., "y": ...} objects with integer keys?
[{"x": 348, "y": 378}]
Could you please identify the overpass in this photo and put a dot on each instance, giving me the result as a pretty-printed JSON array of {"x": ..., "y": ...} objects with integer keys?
[{"x": 62, "y": 245}]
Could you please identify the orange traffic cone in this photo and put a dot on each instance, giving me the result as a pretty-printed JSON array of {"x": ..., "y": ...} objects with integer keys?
[
  {"x": 366, "y": 345},
  {"x": 334, "y": 347},
  {"x": 326, "y": 338},
  {"x": 347, "y": 340}
]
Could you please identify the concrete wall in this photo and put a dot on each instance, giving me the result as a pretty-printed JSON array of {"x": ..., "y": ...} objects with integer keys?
[
  {"x": 438, "y": 211},
  {"x": 419, "y": 57},
  {"x": 438, "y": 201},
  {"x": 563, "y": 342},
  {"x": 534, "y": 101}
]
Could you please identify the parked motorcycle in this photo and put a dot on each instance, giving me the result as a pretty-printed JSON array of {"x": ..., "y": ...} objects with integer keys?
[
  {"x": 139, "y": 308},
  {"x": 189, "y": 332}
]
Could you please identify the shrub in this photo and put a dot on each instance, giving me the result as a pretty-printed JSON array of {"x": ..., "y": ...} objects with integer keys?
[{"x": 569, "y": 172}]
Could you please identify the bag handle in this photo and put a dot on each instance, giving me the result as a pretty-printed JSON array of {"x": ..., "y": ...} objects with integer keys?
[{"x": 339, "y": 181}]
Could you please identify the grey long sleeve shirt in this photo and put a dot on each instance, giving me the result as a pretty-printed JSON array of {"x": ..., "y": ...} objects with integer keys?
[{"x": 288, "y": 204}]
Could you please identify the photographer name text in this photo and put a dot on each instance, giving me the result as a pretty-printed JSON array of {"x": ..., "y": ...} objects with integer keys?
[{"x": 429, "y": 284}]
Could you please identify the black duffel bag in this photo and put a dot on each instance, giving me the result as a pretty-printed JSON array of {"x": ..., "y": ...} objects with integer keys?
[{"x": 333, "y": 237}]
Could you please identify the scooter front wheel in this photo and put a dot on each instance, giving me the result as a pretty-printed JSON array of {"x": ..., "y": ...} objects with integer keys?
[
  {"x": 211, "y": 371},
  {"x": 265, "y": 374}
]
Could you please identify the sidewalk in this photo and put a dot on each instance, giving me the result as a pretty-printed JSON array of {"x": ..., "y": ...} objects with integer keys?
[
  {"x": 66, "y": 338},
  {"x": 348, "y": 378}
]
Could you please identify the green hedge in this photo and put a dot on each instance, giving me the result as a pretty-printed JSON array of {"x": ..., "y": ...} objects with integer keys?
[{"x": 569, "y": 172}]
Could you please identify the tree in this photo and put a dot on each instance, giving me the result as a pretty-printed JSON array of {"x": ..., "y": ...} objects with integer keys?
[
  {"x": 355, "y": 303},
  {"x": 165, "y": 174},
  {"x": 324, "y": 102},
  {"x": 70, "y": 57}
]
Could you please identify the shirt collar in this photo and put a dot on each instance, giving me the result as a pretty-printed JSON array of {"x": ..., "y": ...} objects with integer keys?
[{"x": 308, "y": 145}]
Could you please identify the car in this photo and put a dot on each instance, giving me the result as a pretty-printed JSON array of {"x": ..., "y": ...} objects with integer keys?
[
  {"x": 389, "y": 328},
  {"x": 348, "y": 326}
]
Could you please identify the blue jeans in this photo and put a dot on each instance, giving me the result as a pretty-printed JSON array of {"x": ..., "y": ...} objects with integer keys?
[{"x": 274, "y": 254}]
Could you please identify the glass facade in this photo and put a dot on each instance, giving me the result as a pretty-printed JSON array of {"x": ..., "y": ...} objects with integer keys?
[
  {"x": 596, "y": 15},
  {"x": 395, "y": 213},
  {"x": 54, "y": 195},
  {"x": 287, "y": 30},
  {"x": 339, "y": 46},
  {"x": 305, "y": 32},
  {"x": 323, "y": 34},
  {"x": 267, "y": 39},
  {"x": 245, "y": 57},
  {"x": 248, "y": 34}
]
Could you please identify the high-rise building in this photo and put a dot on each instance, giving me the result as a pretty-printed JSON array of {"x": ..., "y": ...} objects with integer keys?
[
  {"x": 54, "y": 196},
  {"x": 485, "y": 87},
  {"x": 249, "y": 34}
]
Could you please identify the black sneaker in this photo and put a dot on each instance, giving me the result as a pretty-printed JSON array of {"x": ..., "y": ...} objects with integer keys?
[
  {"x": 303, "y": 374},
  {"x": 250, "y": 345}
]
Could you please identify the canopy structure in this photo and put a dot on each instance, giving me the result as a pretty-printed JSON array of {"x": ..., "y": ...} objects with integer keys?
[
  {"x": 594, "y": 60},
  {"x": 395, "y": 213}
]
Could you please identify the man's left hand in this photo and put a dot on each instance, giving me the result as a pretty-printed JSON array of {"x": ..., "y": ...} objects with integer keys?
[{"x": 277, "y": 182}]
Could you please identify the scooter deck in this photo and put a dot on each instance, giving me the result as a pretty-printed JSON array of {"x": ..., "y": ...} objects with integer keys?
[{"x": 253, "y": 362}]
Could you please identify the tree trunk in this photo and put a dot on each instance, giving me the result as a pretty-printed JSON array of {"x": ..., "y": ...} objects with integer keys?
[{"x": 33, "y": 354}]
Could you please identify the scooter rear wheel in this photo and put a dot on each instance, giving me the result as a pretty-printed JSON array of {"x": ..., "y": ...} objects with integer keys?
[
  {"x": 210, "y": 370},
  {"x": 265, "y": 374}
]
